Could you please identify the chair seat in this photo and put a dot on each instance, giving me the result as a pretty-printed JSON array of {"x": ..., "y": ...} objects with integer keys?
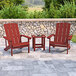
[
  {"x": 57, "y": 44},
  {"x": 21, "y": 44}
]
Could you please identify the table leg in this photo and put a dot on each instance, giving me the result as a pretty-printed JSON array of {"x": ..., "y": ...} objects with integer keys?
[
  {"x": 34, "y": 43},
  {"x": 44, "y": 43}
]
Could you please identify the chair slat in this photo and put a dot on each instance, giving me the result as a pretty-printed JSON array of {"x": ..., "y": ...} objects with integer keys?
[
  {"x": 57, "y": 33},
  {"x": 62, "y": 32},
  {"x": 12, "y": 32}
]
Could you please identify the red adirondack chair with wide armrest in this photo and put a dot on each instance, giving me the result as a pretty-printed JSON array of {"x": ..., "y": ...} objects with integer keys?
[
  {"x": 14, "y": 38},
  {"x": 62, "y": 37}
]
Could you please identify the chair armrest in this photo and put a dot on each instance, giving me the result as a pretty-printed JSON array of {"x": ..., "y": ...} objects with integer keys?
[
  {"x": 26, "y": 36},
  {"x": 50, "y": 36},
  {"x": 70, "y": 37},
  {"x": 7, "y": 39}
]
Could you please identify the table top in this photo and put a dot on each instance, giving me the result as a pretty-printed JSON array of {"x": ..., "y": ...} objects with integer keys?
[{"x": 42, "y": 36}]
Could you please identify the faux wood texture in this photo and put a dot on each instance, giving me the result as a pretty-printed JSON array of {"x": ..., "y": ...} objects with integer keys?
[
  {"x": 61, "y": 38},
  {"x": 14, "y": 38},
  {"x": 12, "y": 32},
  {"x": 62, "y": 33}
]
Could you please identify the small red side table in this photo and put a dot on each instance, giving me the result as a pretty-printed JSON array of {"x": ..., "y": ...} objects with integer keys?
[{"x": 40, "y": 45}]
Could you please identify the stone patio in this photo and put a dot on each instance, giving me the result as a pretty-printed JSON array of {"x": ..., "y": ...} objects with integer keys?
[{"x": 38, "y": 63}]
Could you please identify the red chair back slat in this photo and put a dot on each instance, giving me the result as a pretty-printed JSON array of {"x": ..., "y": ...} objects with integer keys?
[
  {"x": 62, "y": 33},
  {"x": 12, "y": 32}
]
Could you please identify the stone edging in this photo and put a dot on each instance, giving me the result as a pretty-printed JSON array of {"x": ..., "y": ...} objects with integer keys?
[{"x": 52, "y": 19}]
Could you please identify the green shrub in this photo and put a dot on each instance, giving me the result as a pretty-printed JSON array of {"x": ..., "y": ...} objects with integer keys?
[
  {"x": 68, "y": 10},
  {"x": 38, "y": 14},
  {"x": 57, "y": 3},
  {"x": 4, "y": 3},
  {"x": 30, "y": 15},
  {"x": 53, "y": 12},
  {"x": 45, "y": 14},
  {"x": 13, "y": 12},
  {"x": 25, "y": 8},
  {"x": 74, "y": 38}
]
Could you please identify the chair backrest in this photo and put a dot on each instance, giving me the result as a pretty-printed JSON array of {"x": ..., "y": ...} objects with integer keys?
[
  {"x": 62, "y": 33},
  {"x": 12, "y": 32}
]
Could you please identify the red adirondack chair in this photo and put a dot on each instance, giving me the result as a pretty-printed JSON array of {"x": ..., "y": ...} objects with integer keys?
[
  {"x": 14, "y": 38},
  {"x": 62, "y": 37}
]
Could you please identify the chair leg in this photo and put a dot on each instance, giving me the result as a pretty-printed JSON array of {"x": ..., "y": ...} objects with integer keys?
[
  {"x": 44, "y": 48},
  {"x": 11, "y": 52},
  {"x": 53, "y": 46},
  {"x": 32, "y": 42},
  {"x": 20, "y": 48},
  {"x": 34, "y": 48},
  {"x": 69, "y": 47},
  {"x": 28, "y": 49},
  {"x": 8, "y": 47},
  {"x": 67, "y": 50},
  {"x": 49, "y": 48}
]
